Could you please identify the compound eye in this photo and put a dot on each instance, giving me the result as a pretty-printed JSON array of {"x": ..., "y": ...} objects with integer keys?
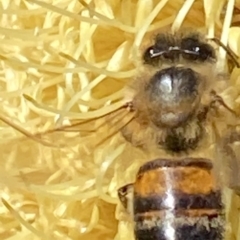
[
  {"x": 151, "y": 55},
  {"x": 147, "y": 56},
  {"x": 154, "y": 56},
  {"x": 193, "y": 49}
]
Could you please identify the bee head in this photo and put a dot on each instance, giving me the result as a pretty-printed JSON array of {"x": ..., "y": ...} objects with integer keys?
[{"x": 174, "y": 87}]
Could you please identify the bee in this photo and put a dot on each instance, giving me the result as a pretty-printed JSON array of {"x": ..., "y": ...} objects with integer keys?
[{"x": 177, "y": 109}]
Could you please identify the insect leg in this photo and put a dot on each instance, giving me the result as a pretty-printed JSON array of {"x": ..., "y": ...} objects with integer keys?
[
  {"x": 125, "y": 195},
  {"x": 230, "y": 53},
  {"x": 231, "y": 159}
]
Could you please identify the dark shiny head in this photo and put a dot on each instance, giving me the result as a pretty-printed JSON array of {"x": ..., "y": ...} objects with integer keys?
[
  {"x": 173, "y": 94},
  {"x": 171, "y": 48}
]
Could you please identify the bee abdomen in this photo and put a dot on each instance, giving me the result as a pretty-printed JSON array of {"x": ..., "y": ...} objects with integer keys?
[{"x": 178, "y": 200}]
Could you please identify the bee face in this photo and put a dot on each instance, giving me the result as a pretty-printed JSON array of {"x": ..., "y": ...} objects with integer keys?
[
  {"x": 169, "y": 94},
  {"x": 173, "y": 93}
]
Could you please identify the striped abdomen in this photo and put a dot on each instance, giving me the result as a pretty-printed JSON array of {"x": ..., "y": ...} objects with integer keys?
[{"x": 177, "y": 200}]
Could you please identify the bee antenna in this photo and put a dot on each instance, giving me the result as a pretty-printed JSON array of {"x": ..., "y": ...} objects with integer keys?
[{"x": 231, "y": 54}]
